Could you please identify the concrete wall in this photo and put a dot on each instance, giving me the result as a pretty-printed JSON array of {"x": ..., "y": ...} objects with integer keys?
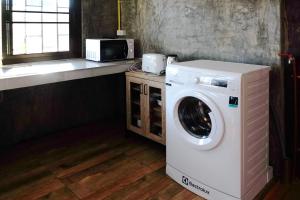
[
  {"x": 246, "y": 31},
  {"x": 99, "y": 19},
  {"x": 232, "y": 30}
]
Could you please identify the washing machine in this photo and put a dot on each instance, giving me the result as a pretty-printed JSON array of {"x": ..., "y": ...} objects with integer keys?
[{"x": 217, "y": 122}]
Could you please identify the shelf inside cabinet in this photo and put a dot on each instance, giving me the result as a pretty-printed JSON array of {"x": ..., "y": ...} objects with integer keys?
[
  {"x": 136, "y": 89},
  {"x": 157, "y": 109},
  {"x": 156, "y": 95},
  {"x": 136, "y": 115},
  {"x": 156, "y": 130},
  {"x": 158, "y": 124},
  {"x": 136, "y": 120},
  {"x": 156, "y": 115},
  {"x": 136, "y": 102}
]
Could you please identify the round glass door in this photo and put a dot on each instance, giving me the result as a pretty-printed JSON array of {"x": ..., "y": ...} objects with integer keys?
[{"x": 194, "y": 116}]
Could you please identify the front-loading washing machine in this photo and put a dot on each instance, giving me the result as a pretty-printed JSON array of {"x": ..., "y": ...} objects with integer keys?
[{"x": 217, "y": 122}]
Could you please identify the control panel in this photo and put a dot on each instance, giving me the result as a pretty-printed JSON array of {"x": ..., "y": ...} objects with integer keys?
[
  {"x": 218, "y": 82},
  {"x": 182, "y": 77}
]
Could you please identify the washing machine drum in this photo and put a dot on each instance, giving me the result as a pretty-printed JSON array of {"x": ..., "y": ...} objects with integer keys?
[
  {"x": 199, "y": 120},
  {"x": 194, "y": 117}
]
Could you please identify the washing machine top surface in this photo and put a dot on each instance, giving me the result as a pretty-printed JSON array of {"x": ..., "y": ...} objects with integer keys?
[{"x": 230, "y": 67}]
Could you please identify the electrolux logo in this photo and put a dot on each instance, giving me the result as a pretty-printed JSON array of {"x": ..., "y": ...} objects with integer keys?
[{"x": 187, "y": 182}]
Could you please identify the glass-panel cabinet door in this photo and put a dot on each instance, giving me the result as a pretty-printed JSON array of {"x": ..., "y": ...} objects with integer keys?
[
  {"x": 135, "y": 113},
  {"x": 155, "y": 110}
]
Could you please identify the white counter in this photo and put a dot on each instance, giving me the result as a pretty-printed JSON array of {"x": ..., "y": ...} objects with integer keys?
[{"x": 39, "y": 73}]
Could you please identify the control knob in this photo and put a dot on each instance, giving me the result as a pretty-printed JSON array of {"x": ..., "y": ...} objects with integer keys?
[{"x": 196, "y": 80}]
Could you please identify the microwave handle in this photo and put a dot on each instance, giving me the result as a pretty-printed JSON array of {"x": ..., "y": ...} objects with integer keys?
[{"x": 126, "y": 50}]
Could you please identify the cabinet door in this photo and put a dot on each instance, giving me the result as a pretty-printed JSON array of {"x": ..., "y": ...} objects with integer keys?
[
  {"x": 135, "y": 104},
  {"x": 155, "y": 111}
]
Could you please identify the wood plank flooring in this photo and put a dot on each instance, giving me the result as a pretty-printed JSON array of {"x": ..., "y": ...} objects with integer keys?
[{"x": 95, "y": 162}]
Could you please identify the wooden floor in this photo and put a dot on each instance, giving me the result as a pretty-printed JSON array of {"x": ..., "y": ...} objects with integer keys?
[{"x": 93, "y": 162}]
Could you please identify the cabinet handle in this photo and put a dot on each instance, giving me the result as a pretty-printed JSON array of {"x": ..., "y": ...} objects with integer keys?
[
  {"x": 145, "y": 89},
  {"x": 141, "y": 89}
]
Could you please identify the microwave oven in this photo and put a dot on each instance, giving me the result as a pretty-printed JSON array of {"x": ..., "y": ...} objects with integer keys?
[{"x": 105, "y": 50}]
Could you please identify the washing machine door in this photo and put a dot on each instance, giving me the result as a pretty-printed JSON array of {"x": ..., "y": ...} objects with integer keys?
[{"x": 199, "y": 120}]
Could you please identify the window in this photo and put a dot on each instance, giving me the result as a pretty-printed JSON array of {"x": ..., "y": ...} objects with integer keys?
[{"x": 39, "y": 29}]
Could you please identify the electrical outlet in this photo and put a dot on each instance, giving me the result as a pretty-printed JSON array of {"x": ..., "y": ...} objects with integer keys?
[{"x": 121, "y": 33}]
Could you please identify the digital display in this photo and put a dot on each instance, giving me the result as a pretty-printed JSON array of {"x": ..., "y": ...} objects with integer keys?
[{"x": 219, "y": 83}]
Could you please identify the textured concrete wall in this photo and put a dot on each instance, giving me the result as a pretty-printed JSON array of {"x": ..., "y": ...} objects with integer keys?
[
  {"x": 99, "y": 19},
  {"x": 233, "y": 30}
]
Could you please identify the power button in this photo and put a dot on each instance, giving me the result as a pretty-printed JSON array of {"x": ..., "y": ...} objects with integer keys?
[{"x": 196, "y": 80}]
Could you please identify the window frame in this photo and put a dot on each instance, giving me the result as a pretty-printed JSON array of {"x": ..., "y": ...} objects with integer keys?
[{"x": 74, "y": 37}]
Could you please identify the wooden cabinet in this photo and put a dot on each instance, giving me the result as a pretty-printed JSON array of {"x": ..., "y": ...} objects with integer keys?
[{"x": 145, "y": 99}]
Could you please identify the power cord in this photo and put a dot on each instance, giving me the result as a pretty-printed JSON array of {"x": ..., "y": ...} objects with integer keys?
[{"x": 135, "y": 67}]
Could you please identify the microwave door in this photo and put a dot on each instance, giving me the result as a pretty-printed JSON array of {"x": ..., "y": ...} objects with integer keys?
[{"x": 114, "y": 50}]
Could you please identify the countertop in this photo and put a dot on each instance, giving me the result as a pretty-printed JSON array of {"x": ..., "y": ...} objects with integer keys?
[{"x": 38, "y": 73}]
